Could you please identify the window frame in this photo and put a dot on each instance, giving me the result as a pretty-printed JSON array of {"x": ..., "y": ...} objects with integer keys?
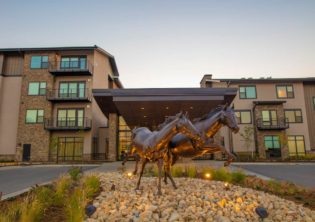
[
  {"x": 41, "y": 62},
  {"x": 244, "y": 110},
  {"x": 37, "y": 122},
  {"x": 39, "y": 88},
  {"x": 294, "y": 110},
  {"x": 76, "y": 116},
  {"x": 245, "y": 86},
  {"x": 313, "y": 100},
  {"x": 78, "y": 88},
  {"x": 266, "y": 148},
  {"x": 295, "y": 136},
  {"x": 286, "y": 89},
  {"x": 78, "y": 67}
]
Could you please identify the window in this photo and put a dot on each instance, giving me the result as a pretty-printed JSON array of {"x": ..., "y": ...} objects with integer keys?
[
  {"x": 296, "y": 145},
  {"x": 269, "y": 117},
  {"x": 37, "y": 88},
  {"x": 272, "y": 142},
  {"x": 285, "y": 91},
  {"x": 243, "y": 117},
  {"x": 39, "y": 62},
  {"x": 314, "y": 102},
  {"x": 247, "y": 92},
  {"x": 69, "y": 148},
  {"x": 73, "y": 63},
  {"x": 72, "y": 90},
  {"x": 70, "y": 118},
  {"x": 293, "y": 116},
  {"x": 34, "y": 116}
]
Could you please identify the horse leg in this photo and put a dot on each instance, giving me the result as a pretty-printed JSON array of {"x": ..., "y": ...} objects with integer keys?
[
  {"x": 169, "y": 175},
  {"x": 231, "y": 156},
  {"x": 136, "y": 167},
  {"x": 160, "y": 165},
  {"x": 165, "y": 177},
  {"x": 144, "y": 162}
]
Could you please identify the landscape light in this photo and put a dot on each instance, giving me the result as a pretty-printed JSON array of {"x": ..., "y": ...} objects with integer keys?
[
  {"x": 208, "y": 175},
  {"x": 226, "y": 186},
  {"x": 129, "y": 174}
]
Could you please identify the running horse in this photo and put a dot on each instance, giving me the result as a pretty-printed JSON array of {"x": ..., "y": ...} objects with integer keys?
[
  {"x": 186, "y": 145},
  {"x": 151, "y": 146}
]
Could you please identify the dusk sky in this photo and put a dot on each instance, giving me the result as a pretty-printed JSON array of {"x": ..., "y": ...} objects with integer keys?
[{"x": 173, "y": 43}]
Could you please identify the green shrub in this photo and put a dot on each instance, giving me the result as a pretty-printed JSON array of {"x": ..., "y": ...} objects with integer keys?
[
  {"x": 91, "y": 185},
  {"x": 177, "y": 171},
  {"x": 11, "y": 213},
  {"x": 238, "y": 177},
  {"x": 221, "y": 174},
  {"x": 191, "y": 171},
  {"x": 74, "y": 206},
  {"x": 75, "y": 173},
  {"x": 62, "y": 187}
]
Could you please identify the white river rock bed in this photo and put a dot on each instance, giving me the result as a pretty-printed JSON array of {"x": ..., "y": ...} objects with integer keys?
[{"x": 194, "y": 200}]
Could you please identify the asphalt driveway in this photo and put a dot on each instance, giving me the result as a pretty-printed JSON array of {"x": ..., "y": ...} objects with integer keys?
[
  {"x": 14, "y": 179},
  {"x": 298, "y": 173}
]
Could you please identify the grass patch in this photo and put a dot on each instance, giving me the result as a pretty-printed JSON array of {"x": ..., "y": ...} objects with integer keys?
[{"x": 64, "y": 200}]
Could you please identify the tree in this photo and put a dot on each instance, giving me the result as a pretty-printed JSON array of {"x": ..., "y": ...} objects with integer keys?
[{"x": 247, "y": 136}]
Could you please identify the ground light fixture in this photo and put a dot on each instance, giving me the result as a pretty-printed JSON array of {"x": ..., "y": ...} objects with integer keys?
[
  {"x": 129, "y": 175},
  {"x": 226, "y": 186},
  {"x": 262, "y": 212},
  {"x": 208, "y": 175}
]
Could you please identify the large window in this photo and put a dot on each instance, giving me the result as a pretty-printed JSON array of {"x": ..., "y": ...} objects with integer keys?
[
  {"x": 37, "y": 88},
  {"x": 314, "y": 102},
  {"x": 269, "y": 117},
  {"x": 34, "y": 116},
  {"x": 296, "y": 145},
  {"x": 39, "y": 62},
  {"x": 70, "y": 118},
  {"x": 243, "y": 116},
  {"x": 69, "y": 148},
  {"x": 72, "y": 90},
  {"x": 285, "y": 91},
  {"x": 125, "y": 137},
  {"x": 248, "y": 92},
  {"x": 73, "y": 62},
  {"x": 293, "y": 116},
  {"x": 272, "y": 142}
]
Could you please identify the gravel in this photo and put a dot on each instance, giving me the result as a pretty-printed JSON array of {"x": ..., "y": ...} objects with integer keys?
[{"x": 194, "y": 200}]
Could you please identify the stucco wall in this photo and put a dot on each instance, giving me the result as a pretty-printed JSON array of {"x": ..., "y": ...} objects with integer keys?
[{"x": 9, "y": 113}]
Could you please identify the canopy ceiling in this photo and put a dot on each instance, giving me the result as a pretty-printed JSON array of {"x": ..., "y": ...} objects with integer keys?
[{"x": 149, "y": 107}]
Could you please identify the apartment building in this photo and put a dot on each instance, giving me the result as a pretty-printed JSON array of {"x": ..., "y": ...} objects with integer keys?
[
  {"x": 47, "y": 111},
  {"x": 276, "y": 116}
]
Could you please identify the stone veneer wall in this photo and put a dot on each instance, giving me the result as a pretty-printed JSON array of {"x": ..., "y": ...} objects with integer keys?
[
  {"x": 261, "y": 133},
  {"x": 113, "y": 136},
  {"x": 34, "y": 134}
]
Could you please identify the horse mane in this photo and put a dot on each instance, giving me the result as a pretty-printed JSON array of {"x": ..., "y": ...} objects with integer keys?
[
  {"x": 166, "y": 121},
  {"x": 208, "y": 115}
]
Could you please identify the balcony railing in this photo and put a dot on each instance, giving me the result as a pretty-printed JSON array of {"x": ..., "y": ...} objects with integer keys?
[
  {"x": 70, "y": 68},
  {"x": 69, "y": 95},
  {"x": 79, "y": 123},
  {"x": 273, "y": 124}
]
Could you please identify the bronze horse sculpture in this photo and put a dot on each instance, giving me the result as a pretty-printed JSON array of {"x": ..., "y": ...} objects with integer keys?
[
  {"x": 192, "y": 140},
  {"x": 150, "y": 146}
]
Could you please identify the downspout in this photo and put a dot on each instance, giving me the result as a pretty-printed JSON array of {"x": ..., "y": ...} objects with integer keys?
[{"x": 255, "y": 132}]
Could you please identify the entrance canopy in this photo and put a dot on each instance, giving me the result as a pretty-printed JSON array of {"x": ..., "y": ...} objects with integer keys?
[{"x": 149, "y": 107}]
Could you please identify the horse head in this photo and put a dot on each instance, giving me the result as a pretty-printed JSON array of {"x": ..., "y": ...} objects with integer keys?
[{"x": 227, "y": 117}]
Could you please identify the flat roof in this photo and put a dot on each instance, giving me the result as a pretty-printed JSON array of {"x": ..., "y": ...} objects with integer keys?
[
  {"x": 208, "y": 78},
  {"x": 65, "y": 48},
  {"x": 150, "y": 106}
]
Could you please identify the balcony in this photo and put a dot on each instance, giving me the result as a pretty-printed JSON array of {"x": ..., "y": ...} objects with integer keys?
[
  {"x": 71, "y": 68},
  {"x": 68, "y": 124},
  {"x": 274, "y": 124},
  {"x": 60, "y": 95}
]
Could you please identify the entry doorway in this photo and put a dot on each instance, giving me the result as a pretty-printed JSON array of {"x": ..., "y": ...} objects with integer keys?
[{"x": 26, "y": 152}]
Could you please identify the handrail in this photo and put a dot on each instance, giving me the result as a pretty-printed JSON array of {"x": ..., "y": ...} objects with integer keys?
[{"x": 68, "y": 123}]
